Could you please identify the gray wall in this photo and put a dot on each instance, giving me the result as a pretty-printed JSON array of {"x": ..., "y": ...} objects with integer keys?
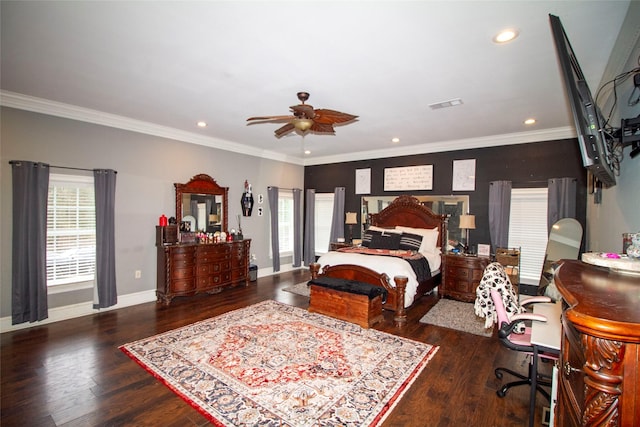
[
  {"x": 619, "y": 210},
  {"x": 147, "y": 168}
]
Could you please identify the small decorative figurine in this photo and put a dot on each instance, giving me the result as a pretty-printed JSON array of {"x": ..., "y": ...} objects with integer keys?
[{"x": 247, "y": 200}]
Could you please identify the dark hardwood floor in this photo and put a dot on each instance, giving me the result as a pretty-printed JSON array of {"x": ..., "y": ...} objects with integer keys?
[{"x": 72, "y": 373}]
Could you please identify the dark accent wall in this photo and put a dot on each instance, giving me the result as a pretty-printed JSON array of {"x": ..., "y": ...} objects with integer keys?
[{"x": 525, "y": 165}]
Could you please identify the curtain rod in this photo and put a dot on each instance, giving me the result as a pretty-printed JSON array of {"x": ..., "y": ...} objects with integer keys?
[
  {"x": 282, "y": 188},
  {"x": 12, "y": 162}
]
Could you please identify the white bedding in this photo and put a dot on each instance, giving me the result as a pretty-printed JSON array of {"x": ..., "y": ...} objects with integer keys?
[{"x": 390, "y": 265}]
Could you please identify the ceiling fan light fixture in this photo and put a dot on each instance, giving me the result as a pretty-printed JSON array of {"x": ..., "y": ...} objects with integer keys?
[{"x": 302, "y": 125}]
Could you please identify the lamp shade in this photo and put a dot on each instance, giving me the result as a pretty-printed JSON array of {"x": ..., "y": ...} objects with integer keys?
[
  {"x": 352, "y": 218},
  {"x": 468, "y": 222}
]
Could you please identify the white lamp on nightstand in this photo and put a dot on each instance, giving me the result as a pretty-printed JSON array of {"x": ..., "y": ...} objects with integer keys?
[
  {"x": 467, "y": 222},
  {"x": 351, "y": 220}
]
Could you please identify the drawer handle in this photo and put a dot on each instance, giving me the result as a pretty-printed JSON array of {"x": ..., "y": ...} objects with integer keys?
[{"x": 568, "y": 369}]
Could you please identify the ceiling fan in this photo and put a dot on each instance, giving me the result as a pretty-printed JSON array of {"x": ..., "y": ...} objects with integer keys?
[{"x": 306, "y": 118}]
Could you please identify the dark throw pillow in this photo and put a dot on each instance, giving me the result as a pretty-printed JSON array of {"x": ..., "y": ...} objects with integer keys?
[
  {"x": 410, "y": 242},
  {"x": 385, "y": 240},
  {"x": 368, "y": 236}
]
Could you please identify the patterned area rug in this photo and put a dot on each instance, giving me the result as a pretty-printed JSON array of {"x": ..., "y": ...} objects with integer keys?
[
  {"x": 299, "y": 289},
  {"x": 456, "y": 315},
  {"x": 272, "y": 364}
]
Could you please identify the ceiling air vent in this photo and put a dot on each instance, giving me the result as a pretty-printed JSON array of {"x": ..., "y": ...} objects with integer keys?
[{"x": 445, "y": 104}]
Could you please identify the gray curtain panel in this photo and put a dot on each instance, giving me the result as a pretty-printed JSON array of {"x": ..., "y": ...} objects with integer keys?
[
  {"x": 272, "y": 194},
  {"x": 561, "y": 199},
  {"x": 29, "y": 245},
  {"x": 310, "y": 227},
  {"x": 105, "y": 193},
  {"x": 297, "y": 227},
  {"x": 337, "y": 220},
  {"x": 499, "y": 207}
]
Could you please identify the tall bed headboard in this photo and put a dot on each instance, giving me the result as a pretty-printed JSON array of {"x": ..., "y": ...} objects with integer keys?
[{"x": 407, "y": 211}]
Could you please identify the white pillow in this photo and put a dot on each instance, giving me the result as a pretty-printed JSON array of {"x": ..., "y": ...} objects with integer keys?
[
  {"x": 384, "y": 230},
  {"x": 429, "y": 238}
]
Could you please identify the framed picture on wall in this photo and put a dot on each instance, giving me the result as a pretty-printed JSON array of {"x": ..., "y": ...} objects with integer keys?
[
  {"x": 464, "y": 175},
  {"x": 363, "y": 181}
]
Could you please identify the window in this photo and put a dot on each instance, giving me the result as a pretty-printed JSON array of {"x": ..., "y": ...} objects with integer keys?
[
  {"x": 285, "y": 222},
  {"x": 71, "y": 230},
  {"x": 528, "y": 230},
  {"x": 322, "y": 217}
]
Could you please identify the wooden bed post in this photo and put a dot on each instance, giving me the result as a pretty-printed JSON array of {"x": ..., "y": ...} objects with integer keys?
[
  {"x": 315, "y": 270},
  {"x": 401, "y": 315}
]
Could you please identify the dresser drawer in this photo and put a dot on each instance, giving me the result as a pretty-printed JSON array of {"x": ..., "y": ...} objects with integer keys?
[
  {"x": 458, "y": 273},
  {"x": 460, "y": 286},
  {"x": 178, "y": 273},
  {"x": 209, "y": 281},
  {"x": 183, "y": 258},
  {"x": 182, "y": 286},
  {"x": 213, "y": 267}
]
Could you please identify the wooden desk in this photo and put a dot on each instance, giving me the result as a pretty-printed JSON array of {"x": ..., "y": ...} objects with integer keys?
[{"x": 599, "y": 382}]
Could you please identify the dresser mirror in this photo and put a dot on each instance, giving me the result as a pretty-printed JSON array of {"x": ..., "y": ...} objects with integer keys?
[
  {"x": 201, "y": 205},
  {"x": 454, "y": 206}
]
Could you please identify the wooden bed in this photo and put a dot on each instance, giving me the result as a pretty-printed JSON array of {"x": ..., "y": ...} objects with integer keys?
[{"x": 403, "y": 211}]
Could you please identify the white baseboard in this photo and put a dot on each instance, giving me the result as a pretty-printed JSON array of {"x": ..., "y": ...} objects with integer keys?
[
  {"x": 66, "y": 312},
  {"x": 58, "y": 314}
]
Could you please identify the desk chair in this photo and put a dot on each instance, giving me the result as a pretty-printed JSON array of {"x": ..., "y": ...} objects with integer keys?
[{"x": 519, "y": 342}]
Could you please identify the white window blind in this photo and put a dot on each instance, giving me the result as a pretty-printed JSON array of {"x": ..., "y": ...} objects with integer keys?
[
  {"x": 71, "y": 230},
  {"x": 528, "y": 230},
  {"x": 285, "y": 222},
  {"x": 323, "y": 214}
]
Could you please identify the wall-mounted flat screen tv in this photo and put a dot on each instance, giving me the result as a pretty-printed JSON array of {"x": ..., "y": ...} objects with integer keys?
[{"x": 595, "y": 145}]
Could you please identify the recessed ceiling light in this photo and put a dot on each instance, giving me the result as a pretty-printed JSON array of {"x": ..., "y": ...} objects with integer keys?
[
  {"x": 529, "y": 121},
  {"x": 307, "y": 151},
  {"x": 202, "y": 124},
  {"x": 506, "y": 36},
  {"x": 394, "y": 140}
]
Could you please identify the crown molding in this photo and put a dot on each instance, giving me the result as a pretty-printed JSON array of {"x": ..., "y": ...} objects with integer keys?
[
  {"x": 68, "y": 111},
  {"x": 454, "y": 145}
]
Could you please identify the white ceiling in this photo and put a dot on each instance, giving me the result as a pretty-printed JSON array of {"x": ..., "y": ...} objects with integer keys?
[{"x": 159, "y": 67}]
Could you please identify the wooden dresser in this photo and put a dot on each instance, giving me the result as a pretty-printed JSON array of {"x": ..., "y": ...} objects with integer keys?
[
  {"x": 462, "y": 276},
  {"x": 188, "y": 269},
  {"x": 599, "y": 379}
]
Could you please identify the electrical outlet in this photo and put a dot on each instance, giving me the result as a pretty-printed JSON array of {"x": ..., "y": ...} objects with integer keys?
[{"x": 138, "y": 274}]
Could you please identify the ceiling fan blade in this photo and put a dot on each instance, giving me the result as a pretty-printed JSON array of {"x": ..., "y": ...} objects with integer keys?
[
  {"x": 284, "y": 130},
  {"x": 325, "y": 116},
  {"x": 271, "y": 118},
  {"x": 322, "y": 128}
]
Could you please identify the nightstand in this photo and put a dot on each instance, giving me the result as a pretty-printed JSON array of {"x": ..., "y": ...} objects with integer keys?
[
  {"x": 461, "y": 276},
  {"x": 334, "y": 246}
]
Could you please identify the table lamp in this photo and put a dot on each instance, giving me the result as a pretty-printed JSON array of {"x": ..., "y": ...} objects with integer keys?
[
  {"x": 351, "y": 220},
  {"x": 467, "y": 222}
]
